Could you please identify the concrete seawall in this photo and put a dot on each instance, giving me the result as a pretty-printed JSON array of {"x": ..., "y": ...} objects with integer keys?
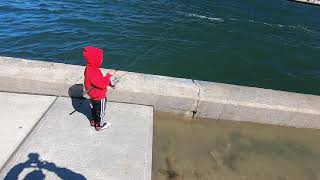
[{"x": 167, "y": 94}]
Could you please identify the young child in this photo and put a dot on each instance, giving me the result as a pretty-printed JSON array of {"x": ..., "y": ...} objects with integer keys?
[{"x": 96, "y": 85}]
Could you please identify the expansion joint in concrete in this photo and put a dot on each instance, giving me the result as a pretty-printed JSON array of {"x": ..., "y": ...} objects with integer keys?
[
  {"x": 194, "y": 112},
  {"x": 28, "y": 135}
]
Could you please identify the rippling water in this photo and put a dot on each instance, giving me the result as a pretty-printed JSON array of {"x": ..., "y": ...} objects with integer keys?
[{"x": 270, "y": 44}]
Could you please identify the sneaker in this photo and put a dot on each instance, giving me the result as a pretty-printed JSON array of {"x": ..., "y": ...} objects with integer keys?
[
  {"x": 104, "y": 126},
  {"x": 92, "y": 123}
]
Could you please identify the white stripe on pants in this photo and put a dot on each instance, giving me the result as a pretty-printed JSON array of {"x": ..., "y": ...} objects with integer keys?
[{"x": 102, "y": 111}]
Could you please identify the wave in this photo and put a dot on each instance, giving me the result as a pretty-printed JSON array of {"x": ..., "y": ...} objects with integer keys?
[
  {"x": 206, "y": 17},
  {"x": 283, "y": 25}
]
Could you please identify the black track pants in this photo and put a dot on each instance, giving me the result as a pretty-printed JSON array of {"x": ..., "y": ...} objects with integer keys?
[{"x": 98, "y": 110}]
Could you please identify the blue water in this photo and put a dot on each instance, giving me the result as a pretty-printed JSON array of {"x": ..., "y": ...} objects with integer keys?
[{"x": 271, "y": 44}]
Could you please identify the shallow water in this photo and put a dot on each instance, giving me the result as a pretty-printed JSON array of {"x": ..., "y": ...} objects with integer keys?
[{"x": 209, "y": 149}]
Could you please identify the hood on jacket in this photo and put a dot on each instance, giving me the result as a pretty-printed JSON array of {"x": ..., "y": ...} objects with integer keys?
[{"x": 93, "y": 56}]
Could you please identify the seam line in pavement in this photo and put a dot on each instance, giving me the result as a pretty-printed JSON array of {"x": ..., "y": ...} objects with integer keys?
[
  {"x": 28, "y": 93},
  {"x": 27, "y": 136}
]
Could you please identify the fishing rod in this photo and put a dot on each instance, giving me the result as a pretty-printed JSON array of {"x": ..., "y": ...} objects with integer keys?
[{"x": 117, "y": 79}]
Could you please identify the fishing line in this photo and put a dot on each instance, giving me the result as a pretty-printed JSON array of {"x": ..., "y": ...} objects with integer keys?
[
  {"x": 116, "y": 79},
  {"x": 137, "y": 58}
]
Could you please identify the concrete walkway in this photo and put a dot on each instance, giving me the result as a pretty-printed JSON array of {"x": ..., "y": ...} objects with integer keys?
[
  {"x": 64, "y": 146},
  {"x": 19, "y": 113}
]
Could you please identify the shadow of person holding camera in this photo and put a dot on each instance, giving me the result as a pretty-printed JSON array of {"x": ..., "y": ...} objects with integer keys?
[{"x": 37, "y": 167}]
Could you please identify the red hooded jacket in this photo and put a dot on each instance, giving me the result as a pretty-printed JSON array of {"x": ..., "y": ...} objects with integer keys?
[{"x": 93, "y": 77}]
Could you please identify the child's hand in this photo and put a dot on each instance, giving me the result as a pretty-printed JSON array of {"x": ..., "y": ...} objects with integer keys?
[{"x": 113, "y": 81}]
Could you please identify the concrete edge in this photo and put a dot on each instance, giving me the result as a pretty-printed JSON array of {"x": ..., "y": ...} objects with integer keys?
[
  {"x": 238, "y": 103},
  {"x": 36, "y": 77},
  {"x": 27, "y": 136},
  {"x": 149, "y": 151},
  {"x": 167, "y": 94}
]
